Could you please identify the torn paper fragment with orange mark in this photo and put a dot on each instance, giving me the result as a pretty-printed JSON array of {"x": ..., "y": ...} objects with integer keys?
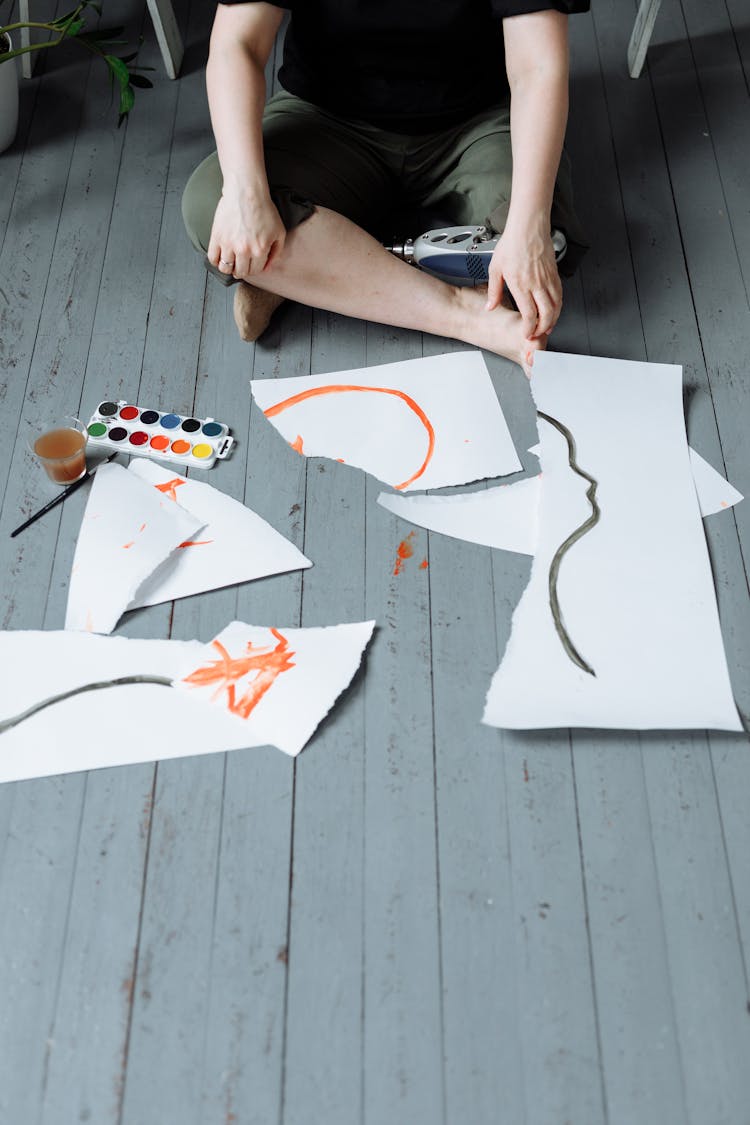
[
  {"x": 235, "y": 545},
  {"x": 128, "y": 530},
  {"x": 415, "y": 424},
  {"x": 280, "y": 682},
  {"x": 251, "y": 686}
]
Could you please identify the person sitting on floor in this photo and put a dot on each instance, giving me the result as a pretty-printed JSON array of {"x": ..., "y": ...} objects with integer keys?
[{"x": 385, "y": 109}]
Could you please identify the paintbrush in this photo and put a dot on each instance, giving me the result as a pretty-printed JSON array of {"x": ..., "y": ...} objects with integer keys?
[{"x": 63, "y": 496}]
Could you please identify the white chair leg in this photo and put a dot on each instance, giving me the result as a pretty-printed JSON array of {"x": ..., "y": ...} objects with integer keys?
[
  {"x": 162, "y": 15},
  {"x": 639, "y": 40},
  {"x": 27, "y": 61},
  {"x": 167, "y": 35}
]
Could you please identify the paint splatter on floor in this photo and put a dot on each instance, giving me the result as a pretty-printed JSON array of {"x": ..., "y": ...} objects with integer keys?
[{"x": 404, "y": 551}]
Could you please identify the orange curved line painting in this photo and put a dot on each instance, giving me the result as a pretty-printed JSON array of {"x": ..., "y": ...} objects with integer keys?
[
  {"x": 227, "y": 672},
  {"x": 340, "y": 388}
]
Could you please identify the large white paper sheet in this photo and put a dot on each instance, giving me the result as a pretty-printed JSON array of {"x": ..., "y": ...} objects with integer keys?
[
  {"x": 234, "y": 545},
  {"x": 416, "y": 424},
  {"x": 504, "y": 516},
  {"x": 144, "y": 722},
  {"x": 636, "y": 593},
  {"x": 128, "y": 530}
]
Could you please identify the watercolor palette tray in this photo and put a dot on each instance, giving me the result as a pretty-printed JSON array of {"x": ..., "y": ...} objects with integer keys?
[{"x": 164, "y": 435}]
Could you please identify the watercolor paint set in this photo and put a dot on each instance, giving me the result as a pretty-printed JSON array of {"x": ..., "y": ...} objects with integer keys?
[{"x": 163, "y": 435}]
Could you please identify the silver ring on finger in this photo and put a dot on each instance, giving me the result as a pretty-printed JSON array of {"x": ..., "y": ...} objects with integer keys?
[{"x": 226, "y": 261}]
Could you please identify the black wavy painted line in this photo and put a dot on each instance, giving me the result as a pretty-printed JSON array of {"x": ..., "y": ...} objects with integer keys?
[
  {"x": 6, "y": 724},
  {"x": 565, "y": 546}
]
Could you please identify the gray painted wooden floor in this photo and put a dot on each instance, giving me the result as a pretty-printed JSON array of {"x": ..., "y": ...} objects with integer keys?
[{"x": 421, "y": 920}]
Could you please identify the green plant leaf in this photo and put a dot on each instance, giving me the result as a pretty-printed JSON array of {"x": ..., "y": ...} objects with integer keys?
[
  {"x": 74, "y": 27},
  {"x": 119, "y": 70},
  {"x": 61, "y": 21},
  {"x": 127, "y": 100}
]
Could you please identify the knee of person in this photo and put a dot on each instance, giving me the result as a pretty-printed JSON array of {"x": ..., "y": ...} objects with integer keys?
[{"x": 194, "y": 220}]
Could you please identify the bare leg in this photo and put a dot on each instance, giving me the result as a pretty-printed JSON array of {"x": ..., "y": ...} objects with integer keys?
[{"x": 330, "y": 263}]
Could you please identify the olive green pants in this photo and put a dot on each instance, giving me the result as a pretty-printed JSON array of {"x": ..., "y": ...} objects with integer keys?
[{"x": 391, "y": 184}]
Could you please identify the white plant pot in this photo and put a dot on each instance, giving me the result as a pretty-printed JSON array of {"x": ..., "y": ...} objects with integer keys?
[{"x": 8, "y": 102}]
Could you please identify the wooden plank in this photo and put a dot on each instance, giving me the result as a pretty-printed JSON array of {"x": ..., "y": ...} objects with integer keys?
[
  {"x": 717, "y": 288},
  {"x": 402, "y": 1048},
  {"x": 723, "y": 87},
  {"x": 636, "y": 1022},
  {"x": 481, "y": 1042},
  {"x": 324, "y": 1006},
  {"x": 13, "y": 157},
  {"x": 87, "y": 1039},
  {"x": 35, "y": 882},
  {"x": 680, "y": 1034},
  {"x": 47, "y": 288},
  {"x": 27, "y": 253},
  {"x": 709, "y": 980},
  {"x": 95, "y": 977},
  {"x": 176, "y": 940},
  {"x": 243, "y": 1039}
]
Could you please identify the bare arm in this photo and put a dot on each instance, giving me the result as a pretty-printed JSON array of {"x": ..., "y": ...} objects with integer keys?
[
  {"x": 247, "y": 231},
  {"x": 536, "y": 54}
]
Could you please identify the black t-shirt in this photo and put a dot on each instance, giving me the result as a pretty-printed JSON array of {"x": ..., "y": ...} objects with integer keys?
[{"x": 408, "y": 66}]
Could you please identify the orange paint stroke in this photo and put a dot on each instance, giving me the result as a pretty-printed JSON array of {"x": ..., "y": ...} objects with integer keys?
[
  {"x": 339, "y": 388},
  {"x": 170, "y": 486},
  {"x": 195, "y": 543},
  {"x": 297, "y": 445},
  {"x": 127, "y": 546},
  {"x": 404, "y": 551},
  {"x": 424, "y": 564},
  {"x": 227, "y": 671}
]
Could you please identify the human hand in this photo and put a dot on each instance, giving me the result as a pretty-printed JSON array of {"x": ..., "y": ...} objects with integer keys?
[
  {"x": 524, "y": 260},
  {"x": 247, "y": 235}
]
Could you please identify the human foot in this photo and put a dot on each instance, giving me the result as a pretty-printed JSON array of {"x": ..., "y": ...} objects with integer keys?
[
  {"x": 253, "y": 309},
  {"x": 499, "y": 330}
]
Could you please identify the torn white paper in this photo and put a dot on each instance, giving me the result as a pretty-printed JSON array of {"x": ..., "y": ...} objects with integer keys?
[
  {"x": 416, "y": 424},
  {"x": 128, "y": 530},
  {"x": 504, "y": 516},
  {"x": 234, "y": 545},
  {"x": 715, "y": 493},
  {"x": 147, "y": 722},
  {"x": 636, "y": 592},
  {"x": 280, "y": 681}
]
